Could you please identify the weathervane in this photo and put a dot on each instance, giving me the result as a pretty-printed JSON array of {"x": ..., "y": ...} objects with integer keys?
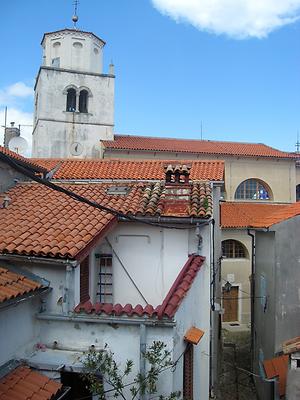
[{"x": 75, "y": 16}]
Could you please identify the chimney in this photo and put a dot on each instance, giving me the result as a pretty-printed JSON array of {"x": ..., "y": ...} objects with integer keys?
[
  {"x": 177, "y": 188},
  {"x": 9, "y": 133},
  {"x": 6, "y": 202}
]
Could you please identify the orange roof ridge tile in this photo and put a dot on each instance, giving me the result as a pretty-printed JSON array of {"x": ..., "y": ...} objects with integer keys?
[
  {"x": 256, "y": 215},
  {"x": 147, "y": 143},
  {"x": 167, "y": 309},
  {"x": 126, "y": 169}
]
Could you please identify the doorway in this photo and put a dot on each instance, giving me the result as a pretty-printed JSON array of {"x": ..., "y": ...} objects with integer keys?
[{"x": 231, "y": 304}]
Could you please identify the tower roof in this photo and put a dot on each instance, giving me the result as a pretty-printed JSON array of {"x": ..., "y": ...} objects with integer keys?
[{"x": 68, "y": 30}]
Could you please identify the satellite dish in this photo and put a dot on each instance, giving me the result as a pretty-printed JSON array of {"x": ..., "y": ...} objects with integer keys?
[{"x": 18, "y": 145}]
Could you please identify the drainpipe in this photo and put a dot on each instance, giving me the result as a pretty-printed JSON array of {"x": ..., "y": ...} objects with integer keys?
[
  {"x": 142, "y": 352},
  {"x": 67, "y": 288},
  {"x": 252, "y": 294},
  {"x": 213, "y": 349}
]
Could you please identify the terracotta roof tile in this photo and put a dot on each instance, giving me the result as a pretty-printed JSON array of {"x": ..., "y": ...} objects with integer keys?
[
  {"x": 25, "y": 384},
  {"x": 194, "y": 335},
  {"x": 128, "y": 169},
  {"x": 256, "y": 215},
  {"x": 13, "y": 285},
  {"x": 23, "y": 160},
  {"x": 42, "y": 222},
  {"x": 169, "y": 306},
  {"x": 278, "y": 367},
  {"x": 143, "y": 143}
]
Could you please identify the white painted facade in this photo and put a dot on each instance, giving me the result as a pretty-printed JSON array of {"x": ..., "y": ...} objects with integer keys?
[
  {"x": 72, "y": 60},
  {"x": 19, "y": 330},
  {"x": 153, "y": 256}
]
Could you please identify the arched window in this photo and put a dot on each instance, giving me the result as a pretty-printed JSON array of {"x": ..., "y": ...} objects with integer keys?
[
  {"x": 298, "y": 193},
  {"x": 252, "y": 189},
  {"x": 83, "y": 101},
  {"x": 233, "y": 249},
  {"x": 71, "y": 100}
]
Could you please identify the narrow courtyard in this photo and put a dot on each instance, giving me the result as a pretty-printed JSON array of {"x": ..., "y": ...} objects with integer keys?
[{"x": 236, "y": 382}]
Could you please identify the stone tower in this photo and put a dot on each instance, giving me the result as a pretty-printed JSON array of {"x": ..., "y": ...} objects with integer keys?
[{"x": 74, "y": 100}]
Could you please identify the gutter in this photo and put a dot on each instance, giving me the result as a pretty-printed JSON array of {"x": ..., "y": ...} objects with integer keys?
[
  {"x": 39, "y": 260},
  {"x": 252, "y": 294},
  {"x": 170, "y": 220},
  {"x": 107, "y": 320},
  {"x": 20, "y": 299}
]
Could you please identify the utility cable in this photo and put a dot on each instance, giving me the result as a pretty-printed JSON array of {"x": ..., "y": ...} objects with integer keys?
[{"x": 31, "y": 173}]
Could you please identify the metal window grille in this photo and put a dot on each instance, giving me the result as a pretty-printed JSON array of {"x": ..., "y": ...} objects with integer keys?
[
  {"x": 233, "y": 249},
  {"x": 84, "y": 280},
  {"x": 105, "y": 288},
  {"x": 252, "y": 189},
  {"x": 298, "y": 193}
]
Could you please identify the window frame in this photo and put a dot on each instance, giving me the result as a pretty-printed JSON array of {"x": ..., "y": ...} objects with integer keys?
[
  {"x": 250, "y": 190},
  {"x": 105, "y": 274},
  {"x": 237, "y": 250}
]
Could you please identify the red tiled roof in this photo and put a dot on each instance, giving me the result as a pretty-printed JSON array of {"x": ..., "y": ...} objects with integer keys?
[
  {"x": 278, "y": 366},
  {"x": 129, "y": 169},
  {"x": 13, "y": 285},
  {"x": 25, "y": 384},
  {"x": 169, "y": 306},
  {"x": 143, "y": 143},
  {"x": 23, "y": 160},
  {"x": 256, "y": 215},
  {"x": 42, "y": 222}
]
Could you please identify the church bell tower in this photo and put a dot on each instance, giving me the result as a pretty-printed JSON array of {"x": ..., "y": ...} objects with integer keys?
[{"x": 74, "y": 99}]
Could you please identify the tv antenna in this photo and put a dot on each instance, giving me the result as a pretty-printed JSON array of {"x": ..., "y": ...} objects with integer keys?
[
  {"x": 298, "y": 143},
  {"x": 75, "y": 16}
]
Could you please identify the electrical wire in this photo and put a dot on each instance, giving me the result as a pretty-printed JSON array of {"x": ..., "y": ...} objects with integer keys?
[{"x": 31, "y": 173}]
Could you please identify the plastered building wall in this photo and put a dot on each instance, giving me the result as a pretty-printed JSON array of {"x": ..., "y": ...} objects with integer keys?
[
  {"x": 238, "y": 271},
  {"x": 278, "y": 174},
  {"x": 56, "y": 130},
  {"x": 19, "y": 325}
]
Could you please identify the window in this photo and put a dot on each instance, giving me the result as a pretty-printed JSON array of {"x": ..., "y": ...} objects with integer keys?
[
  {"x": 188, "y": 372},
  {"x": 56, "y": 62},
  {"x": 84, "y": 280},
  {"x": 71, "y": 100},
  {"x": 298, "y": 193},
  {"x": 105, "y": 278},
  {"x": 83, "y": 99},
  {"x": 233, "y": 249},
  {"x": 252, "y": 189}
]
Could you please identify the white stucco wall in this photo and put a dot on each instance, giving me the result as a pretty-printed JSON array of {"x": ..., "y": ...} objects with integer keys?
[
  {"x": 123, "y": 341},
  {"x": 153, "y": 256},
  {"x": 19, "y": 331},
  {"x": 195, "y": 311},
  {"x": 55, "y": 129}
]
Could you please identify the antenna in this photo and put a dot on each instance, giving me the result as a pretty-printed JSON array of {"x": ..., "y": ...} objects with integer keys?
[
  {"x": 201, "y": 130},
  {"x": 298, "y": 143},
  {"x": 75, "y": 16}
]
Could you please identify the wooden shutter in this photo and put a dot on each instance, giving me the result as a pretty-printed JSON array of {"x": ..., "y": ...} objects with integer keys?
[
  {"x": 188, "y": 373},
  {"x": 84, "y": 280}
]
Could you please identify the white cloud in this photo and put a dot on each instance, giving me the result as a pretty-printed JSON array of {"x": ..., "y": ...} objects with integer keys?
[
  {"x": 19, "y": 89},
  {"x": 15, "y": 97},
  {"x": 10, "y": 95},
  {"x": 238, "y": 19}
]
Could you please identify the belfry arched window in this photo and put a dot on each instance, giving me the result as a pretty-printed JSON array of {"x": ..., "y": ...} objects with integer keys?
[
  {"x": 71, "y": 100},
  {"x": 83, "y": 101},
  {"x": 233, "y": 249},
  {"x": 253, "y": 189}
]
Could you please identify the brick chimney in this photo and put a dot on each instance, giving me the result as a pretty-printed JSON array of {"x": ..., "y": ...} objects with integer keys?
[{"x": 177, "y": 189}]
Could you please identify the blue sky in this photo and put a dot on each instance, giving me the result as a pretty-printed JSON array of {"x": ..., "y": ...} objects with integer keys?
[{"x": 175, "y": 67}]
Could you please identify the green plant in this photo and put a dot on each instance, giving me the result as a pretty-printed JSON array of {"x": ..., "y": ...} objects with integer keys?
[{"x": 100, "y": 368}]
